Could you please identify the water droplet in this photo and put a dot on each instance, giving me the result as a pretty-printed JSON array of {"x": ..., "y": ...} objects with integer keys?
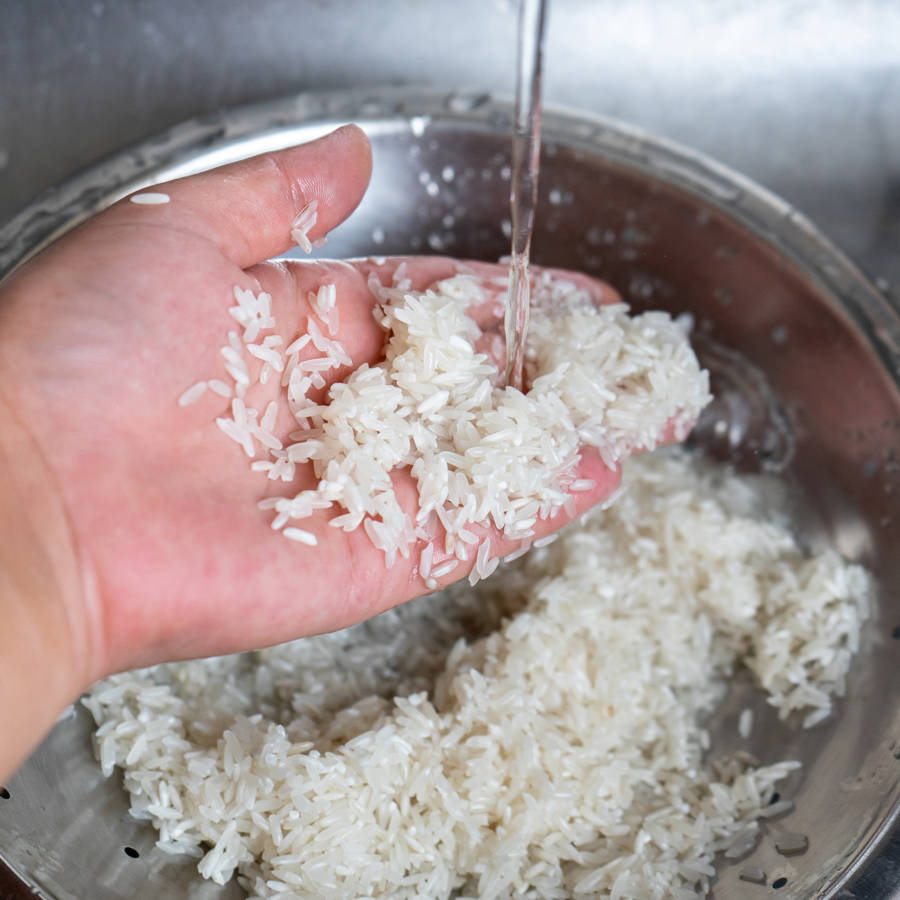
[
  {"x": 780, "y": 334},
  {"x": 447, "y": 173},
  {"x": 462, "y": 103},
  {"x": 555, "y": 197},
  {"x": 506, "y": 173},
  {"x": 594, "y": 235},
  {"x": 418, "y": 124},
  {"x": 726, "y": 252},
  {"x": 449, "y": 220},
  {"x": 506, "y": 228},
  {"x": 631, "y": 234},
  {"x": 435, "y": 242},
  {"x": 378, "y": 235},
  {"x": 432, "y": 189},
  {"x": 424, "y": 177},
  {"x": 641, "y": 286},
  {"x": 723, "y": 295}
]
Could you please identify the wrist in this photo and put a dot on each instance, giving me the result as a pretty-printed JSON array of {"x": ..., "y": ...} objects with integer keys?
[{"x": 46, "y": 638}]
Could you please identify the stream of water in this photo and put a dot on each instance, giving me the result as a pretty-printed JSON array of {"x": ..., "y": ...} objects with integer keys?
[{"x": 526, "y": 147}]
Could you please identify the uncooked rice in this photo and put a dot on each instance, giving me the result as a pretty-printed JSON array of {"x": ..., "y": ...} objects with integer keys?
[
  {"x": 482, "y": 455},
  {"x": 539, "y": 736},
  {"x": 150, "y": 198},
  {"x": 303, "y": 224}
]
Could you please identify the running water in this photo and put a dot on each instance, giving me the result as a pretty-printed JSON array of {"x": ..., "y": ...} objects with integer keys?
[{"x": 523, "y": 190}]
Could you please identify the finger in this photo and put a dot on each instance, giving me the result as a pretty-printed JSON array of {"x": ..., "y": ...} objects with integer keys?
[{"x": 248, "y": 208}]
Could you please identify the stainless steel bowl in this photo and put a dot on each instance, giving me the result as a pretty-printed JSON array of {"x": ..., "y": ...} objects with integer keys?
[{"x": 806, "y": 351}]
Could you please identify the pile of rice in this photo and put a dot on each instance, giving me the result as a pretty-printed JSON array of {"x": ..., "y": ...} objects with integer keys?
[
  {"x": 559, "y": 754},
  {"x": 481, "y": 454},
  {"x": 539, "y": 735}
]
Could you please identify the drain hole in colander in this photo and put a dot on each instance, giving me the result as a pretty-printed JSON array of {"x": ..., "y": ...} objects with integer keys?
[
  {"x": 4, "y": 793},
  {"x": 779, "y": 883},
  {"x": 130, "y": 851}
]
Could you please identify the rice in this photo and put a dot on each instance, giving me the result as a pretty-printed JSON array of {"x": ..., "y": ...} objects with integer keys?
[
  {"x": 303, "y": 224},
  {"x": 539, "y": 735},
  {"x": 535, "y": 732},
  {"x": 150, "y": 198},
  {"x": 193, "y": 393},
  {"x": 483, "y": 456}
]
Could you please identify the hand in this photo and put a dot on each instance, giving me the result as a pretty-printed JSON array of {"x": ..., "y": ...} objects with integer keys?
[{"x": 138, "y": 515}]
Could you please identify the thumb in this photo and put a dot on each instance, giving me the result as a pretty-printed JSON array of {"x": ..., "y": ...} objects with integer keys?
[{"x": 247, "y": 208}]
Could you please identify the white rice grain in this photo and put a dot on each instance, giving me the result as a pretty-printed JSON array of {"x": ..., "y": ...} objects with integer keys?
[
  {"x": 193, "y": 393},
  {"x": 303, "y": 224}
]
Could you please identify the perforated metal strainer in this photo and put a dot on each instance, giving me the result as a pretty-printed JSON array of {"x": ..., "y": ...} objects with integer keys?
[{"x": 813, "y": 394}]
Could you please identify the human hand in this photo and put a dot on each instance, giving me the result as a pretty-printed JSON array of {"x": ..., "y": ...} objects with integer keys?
[{"x": 140, "y": 516}]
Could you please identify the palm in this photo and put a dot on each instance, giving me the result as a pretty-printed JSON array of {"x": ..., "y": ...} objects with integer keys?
[{"x": 122, "y": 317}]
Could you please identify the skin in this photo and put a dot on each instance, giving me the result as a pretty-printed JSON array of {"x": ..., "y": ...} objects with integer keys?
[{"x": 129, "y": 532}]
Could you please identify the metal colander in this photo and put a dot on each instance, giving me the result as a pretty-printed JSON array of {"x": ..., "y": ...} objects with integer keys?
[{"x": 811, "y": 392}]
